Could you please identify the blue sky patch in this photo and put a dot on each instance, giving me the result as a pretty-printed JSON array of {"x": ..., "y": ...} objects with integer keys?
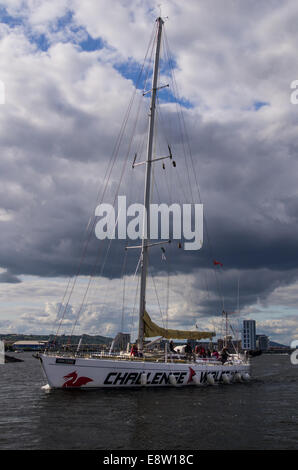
[
  {"x": 9, "y": 20},
  {"x": 131, "y": 70},
  {"x": 90, "y": 44},
  {"x": 260, "y": 104}
]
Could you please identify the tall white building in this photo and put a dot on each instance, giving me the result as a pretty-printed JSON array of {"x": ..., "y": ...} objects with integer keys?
[{"x": 249, "y": 335}]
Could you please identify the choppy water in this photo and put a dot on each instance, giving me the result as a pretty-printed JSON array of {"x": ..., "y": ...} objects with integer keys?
[{"x": 259, "y": 415}]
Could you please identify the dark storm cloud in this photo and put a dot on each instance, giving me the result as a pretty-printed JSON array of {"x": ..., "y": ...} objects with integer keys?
[
  {"x": 9, "y": 278},
  {"x": 58, "y": 129}
]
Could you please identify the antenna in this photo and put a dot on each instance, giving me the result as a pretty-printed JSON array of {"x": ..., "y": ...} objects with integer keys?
[{"x": 160, "y": 12}]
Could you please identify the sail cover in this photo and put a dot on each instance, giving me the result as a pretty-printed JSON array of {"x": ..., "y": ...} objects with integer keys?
[{"x": 151, "y": 330}]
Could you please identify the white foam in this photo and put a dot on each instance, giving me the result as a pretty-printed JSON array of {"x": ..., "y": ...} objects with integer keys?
[{"x": 46, "y": 387}]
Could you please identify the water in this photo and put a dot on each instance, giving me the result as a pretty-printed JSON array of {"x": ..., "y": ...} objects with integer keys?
[{"x": 259, "y": 415}]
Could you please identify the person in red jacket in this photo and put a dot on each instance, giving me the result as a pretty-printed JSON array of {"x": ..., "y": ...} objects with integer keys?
[{"x": 134, "y": 350}]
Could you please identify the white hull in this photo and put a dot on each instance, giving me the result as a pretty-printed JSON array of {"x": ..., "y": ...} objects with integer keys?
[{"x": 70, "y": 372}]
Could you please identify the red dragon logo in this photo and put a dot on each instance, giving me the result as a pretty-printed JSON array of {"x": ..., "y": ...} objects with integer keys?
[
  {"x": 75, "y": 381},
  {"x": 191, "y": 374}
]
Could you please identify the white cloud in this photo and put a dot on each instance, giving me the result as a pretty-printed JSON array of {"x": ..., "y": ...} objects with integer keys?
[
  {"x": 125, "y": 26},
  {"x": 5, "y": 216},
  {"x": 37, "y": 12}
]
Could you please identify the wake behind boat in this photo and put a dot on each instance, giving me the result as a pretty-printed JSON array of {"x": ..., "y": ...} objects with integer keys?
[{"x": 163, "y": 368}]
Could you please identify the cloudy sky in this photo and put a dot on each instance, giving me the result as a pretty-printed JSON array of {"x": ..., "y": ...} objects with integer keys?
[{"x": 68, "y": 71}]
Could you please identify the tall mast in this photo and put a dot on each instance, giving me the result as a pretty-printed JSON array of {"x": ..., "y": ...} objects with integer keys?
[{"x": 146, "y": 221}]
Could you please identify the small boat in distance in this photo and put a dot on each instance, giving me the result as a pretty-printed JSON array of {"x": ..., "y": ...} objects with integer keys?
[{"x": 142, "y": 367}]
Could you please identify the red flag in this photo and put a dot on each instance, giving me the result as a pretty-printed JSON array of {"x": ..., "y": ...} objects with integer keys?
[{"x": 217, "y": 262}]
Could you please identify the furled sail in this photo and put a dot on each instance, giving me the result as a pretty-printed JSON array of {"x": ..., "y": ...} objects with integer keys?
[{"x": 151, "y": 330}]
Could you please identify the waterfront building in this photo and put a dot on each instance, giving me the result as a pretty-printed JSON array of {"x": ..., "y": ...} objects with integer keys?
[
  {"x": 262, "y": 342},
  {"x": 29, "y": 345},
  {"x": 249, "y": 335}
]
